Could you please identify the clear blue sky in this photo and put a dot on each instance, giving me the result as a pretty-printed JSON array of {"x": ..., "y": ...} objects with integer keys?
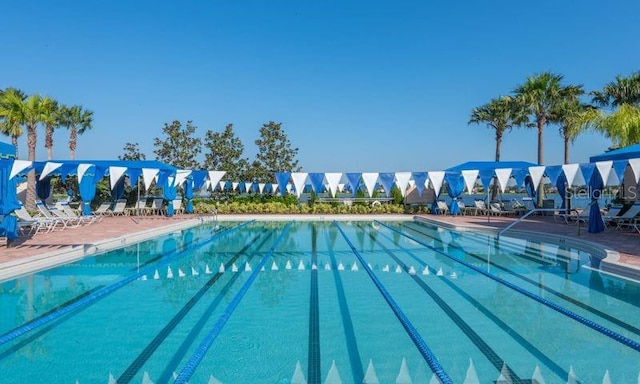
[{"x": 358, "y": 85}]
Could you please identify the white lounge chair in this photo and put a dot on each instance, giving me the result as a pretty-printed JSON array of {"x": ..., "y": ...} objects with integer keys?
[
  {"x": 628, "y": 219},
  {"x": 64, "y": 207},
  {"x": 104, "y": 209},
  {"x": 35, "y": 225},
  {"x": 48, "y": 214},
  {"x": 139, "y": 208},
  {"x": 442, "y": 208},
  {"x": 157, "y": 206},
  {"x": 119, "y": 207},
  {"x": 177, "y": 206},
  {"x": 612, "y": 214}
]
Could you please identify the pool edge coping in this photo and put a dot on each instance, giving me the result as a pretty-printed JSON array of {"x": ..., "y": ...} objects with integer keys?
[
  {"x": 609, "y": 258},
  {"x": 32, "y": 264},
  {"x": 35, "y": 263}
]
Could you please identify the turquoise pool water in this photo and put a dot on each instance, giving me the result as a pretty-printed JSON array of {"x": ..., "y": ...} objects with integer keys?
[{"x": 321, "y": 302}]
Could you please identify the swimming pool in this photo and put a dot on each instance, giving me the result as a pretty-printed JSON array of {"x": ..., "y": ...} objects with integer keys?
[{"x": 321, "y": 302}]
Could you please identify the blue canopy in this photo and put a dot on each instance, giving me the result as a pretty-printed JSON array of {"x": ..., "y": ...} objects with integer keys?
[
  {"x": 491, "y": 165},
  {"x": 7, "y": 151},
  {"x": 8, "y": 201},
  {"x": 630, "y": 152}
]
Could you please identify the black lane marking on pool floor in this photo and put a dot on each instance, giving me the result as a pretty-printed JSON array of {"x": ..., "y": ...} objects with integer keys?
[
  {"x": 313, "y": 365},
  {"x": 170, "y": 368},
  {"x": 548, "y": 362},
  {"x": 146, "y": 353},
  {"x": 552, "y": 291},
  {"x": 482, "y": 345},
  {"x": 46, "y": 329},
  {"x": 357, "y": 372}
]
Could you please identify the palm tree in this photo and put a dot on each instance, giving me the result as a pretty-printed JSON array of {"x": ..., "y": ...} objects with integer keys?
[
  {"x": 574, "y": 118},
  {"x": 51, "y": 120},
  {"x": 541, "y": 96},
  {"x": 78, "y": 121},
  {"x": 27, "y": 112},
  {"x": 622, "y": 97},
  {"x": 500, "y": 114},
  {"x": 8, "y": 123},
  {"x": 624, "y": 90}
]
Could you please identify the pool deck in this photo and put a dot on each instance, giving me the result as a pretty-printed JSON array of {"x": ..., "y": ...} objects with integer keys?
[{"x": 111, "y": 232}]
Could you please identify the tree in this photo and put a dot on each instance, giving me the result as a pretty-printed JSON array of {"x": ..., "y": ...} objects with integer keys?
[
  {"x": 621, "y": 126},
  {"x": 500, "y": 114},
  {"x": 51, "y": 119},
  {"x": 78, "y": 121},
  {"x": 179, "y": 149},
  {"x": 540, "y": 96},
  {"x": 624, "y": 90},
  {"x": 574, "y": 118},
  {"x": 275, "y": 153},
  {"x": 9, "y": 125},
  {"x": 622, "y": 98},
  {"x": 132, "y": 152},
  {"x": 27, "y": 112},
  {"x": 225, "y": 153}
]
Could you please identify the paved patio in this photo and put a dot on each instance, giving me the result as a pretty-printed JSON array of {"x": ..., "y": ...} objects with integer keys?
[{"x": 59, "y": 242}]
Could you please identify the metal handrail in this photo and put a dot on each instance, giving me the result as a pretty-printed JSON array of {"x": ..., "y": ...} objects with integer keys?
[{"x": 531, "y": 212}]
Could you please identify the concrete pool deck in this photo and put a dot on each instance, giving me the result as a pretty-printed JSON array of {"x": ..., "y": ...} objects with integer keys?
[{"x": 45, "y": 250}]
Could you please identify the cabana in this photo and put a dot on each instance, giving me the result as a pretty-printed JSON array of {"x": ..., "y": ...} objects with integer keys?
[
  {"x": 8, "y": 196},
  {"x": 90, "y": 172},
  {"x": 626, "y": 164},
  {"x": 467, "y": 173}
]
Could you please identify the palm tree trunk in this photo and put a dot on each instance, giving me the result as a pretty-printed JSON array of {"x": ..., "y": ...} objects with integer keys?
[
  {"x": 494, "y": 187},
  {"x": 566, "y": 150},
  {"x": 48, "y": 142},
  {"x": 30, "y": 202},
  {"x": 541, "y": 122},
  {"x": 73, "y": 139},
  {"x": 14, "y": 142}
]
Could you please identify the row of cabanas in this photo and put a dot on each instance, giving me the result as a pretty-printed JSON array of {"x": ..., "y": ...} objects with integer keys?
[{"x": 607, "y": 169}]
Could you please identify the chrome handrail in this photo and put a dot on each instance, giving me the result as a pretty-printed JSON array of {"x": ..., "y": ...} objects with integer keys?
[{"x": 529, "y": 213}]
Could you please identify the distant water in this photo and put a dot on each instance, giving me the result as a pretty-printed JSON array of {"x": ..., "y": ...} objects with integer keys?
[{"x": 576, "y": 202}]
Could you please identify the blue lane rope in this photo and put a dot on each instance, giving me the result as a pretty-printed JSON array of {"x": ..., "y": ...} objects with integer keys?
[
  {"x": 7, "y": 337},
  {"x": 200, "y": 352},
  {"x": 591, "y": 324},
  {"x": 422, "y": 346}
]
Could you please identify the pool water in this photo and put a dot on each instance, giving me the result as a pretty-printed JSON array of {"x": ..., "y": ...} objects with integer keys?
[{"x": 322, "y": 302}]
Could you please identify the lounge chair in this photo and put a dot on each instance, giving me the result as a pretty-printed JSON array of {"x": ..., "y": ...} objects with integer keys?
[
  {"x": 576, "y": 216},
  {"x": 442, "y": 208},
  {"x": 157, "y": 206},
  {"x": 613, "y": 213},
  {"x": 481, "y": 207},
  {"x": 497, "y": 210},
  {"x": 64, "y": 207},
  {"x": 104, "y": 209},
  {"x": 119, "y": 207},
  {"x": 49, "y": 214},
  {"x": 177, "y": 206},
  {"x": 628, "y": 219},
  {"x": 139, "y": 208},
  {"x": 35, "y": 225}
]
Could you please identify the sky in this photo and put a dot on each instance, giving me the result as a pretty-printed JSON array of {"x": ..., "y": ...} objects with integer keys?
[{"x": 359, "y": 86}]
